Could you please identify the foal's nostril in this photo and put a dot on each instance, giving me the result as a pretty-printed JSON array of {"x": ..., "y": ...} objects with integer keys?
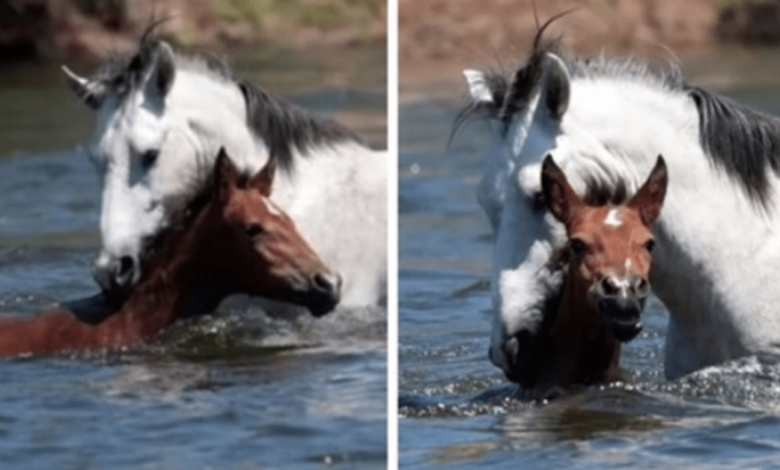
[
  {"x": 609, "y": 287},
  {"x": 640, "y": 287},
  {"x": 327, "y": 282}
]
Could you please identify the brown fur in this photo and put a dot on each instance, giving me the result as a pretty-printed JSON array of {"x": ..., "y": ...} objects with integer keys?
[
  {"x": 213, "y": 248},
  {"x": 579, "y": 347}
]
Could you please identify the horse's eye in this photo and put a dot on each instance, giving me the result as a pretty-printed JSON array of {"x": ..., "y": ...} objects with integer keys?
[
  {"x": 253, "y": 230},
  {"x": 149, "y": 157},
  {"x": 577, "y": 248},
  {"x": 538, "y": 203},
  {"x": 649, "y": 245}
]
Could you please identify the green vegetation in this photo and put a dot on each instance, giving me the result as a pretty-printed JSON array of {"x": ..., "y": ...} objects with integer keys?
[{"x": 322, "y": 15}]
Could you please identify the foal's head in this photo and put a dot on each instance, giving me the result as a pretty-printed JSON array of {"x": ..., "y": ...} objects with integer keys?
[
  {"x": 608, "y": 248},
  {"x": 256, "y": 247}
]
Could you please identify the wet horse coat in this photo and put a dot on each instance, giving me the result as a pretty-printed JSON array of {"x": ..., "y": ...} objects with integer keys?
[
  {"x": 229, "y": 239},
  {"x": 718, "y": 238},
  {"x": 160, "y": 119}
]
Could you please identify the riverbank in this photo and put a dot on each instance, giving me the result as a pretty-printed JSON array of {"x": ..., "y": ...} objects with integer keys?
[
  {"x": 440, "y": 38},
  {"x": 90, "y": 30}
]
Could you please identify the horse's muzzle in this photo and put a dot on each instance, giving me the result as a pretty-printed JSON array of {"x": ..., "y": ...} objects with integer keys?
[
  {"x": 324, "y": 293},
  {"x": 115, "y": 276},
  {"x": 517, "y": 358}
]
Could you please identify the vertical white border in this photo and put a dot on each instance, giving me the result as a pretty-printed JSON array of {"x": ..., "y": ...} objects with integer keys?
[{"x": 392, "y": 220}]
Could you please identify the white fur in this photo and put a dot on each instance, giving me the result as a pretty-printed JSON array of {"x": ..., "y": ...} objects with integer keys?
[
  {"x": 717, "y": 256},
  {"x": 613, "y": 218},
  {"x": 478, "y": 88},
  {"x": 336, "y": 195}
]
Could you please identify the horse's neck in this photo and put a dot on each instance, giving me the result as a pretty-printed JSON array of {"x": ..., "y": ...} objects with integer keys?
[
  {"x": 151, "y": 306},
  {"x": 717, "y": 251}
]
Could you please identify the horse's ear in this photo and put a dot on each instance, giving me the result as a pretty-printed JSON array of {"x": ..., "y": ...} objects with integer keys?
[
  {"x": 547, "y": 73},
  {"x": 263, "y": 181},
  {"x": 90, "y": 91},
  {"x": 479, "y": 89},
  {"x": 560, "y": 198},
  {"x": 163, "y": 71},
  {"x": 225, "y": 176},
  {"x": 556, "y": 86},
  {"x": 650, "y": 197}
]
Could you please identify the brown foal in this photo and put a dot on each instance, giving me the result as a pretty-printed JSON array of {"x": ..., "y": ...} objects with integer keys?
[
  {"x": 231, "y": 238},
  {"x": 606, "y": 263}
]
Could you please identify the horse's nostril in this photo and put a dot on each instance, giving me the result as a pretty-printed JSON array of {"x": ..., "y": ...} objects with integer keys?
[{"x": 124, "y": 269}]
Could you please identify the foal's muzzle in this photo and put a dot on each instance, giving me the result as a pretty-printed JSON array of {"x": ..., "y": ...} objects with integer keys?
[
  {"x": 324, "y": 293},
  {"x": 115, "y": 275},
  {"x": 621, "y": 301}
]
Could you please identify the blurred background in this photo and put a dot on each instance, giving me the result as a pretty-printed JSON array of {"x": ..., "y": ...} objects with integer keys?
[
  {"x": 35, "y": 29},
  {"x": 439, "y": 37}
]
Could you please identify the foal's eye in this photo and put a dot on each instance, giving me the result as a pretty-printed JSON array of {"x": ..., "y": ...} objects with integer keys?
[
  {"x": 649, "y": 245},
  {"x": 577, "y": 248},
  {"x": 253, "y": 230},
  {"x": 149, "y": 157}
]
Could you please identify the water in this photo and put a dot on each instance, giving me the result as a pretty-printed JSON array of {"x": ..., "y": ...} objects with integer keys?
[
  {"x": 455, "y": 410},
  {"x": 237, "y": 389}
]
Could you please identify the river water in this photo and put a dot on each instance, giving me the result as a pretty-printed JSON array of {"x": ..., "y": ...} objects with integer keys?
[
  {"x": 237, "y": 389},
  {"x": 453, "y": 405}
]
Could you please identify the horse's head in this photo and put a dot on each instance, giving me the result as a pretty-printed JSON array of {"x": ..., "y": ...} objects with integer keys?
[
  {"x": 259, "y": 251},
  {"x": 608, "y": 246},
  {"x": 150, "y": 134},
  {"x": 540, "y": 111}
]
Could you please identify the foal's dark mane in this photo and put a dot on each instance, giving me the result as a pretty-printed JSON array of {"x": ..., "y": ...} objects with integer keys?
[
  {"x": 282, "y": 125},
  {"x": 741, "y": 141}
]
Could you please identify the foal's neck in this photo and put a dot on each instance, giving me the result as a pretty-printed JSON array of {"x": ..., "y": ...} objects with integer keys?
[
  {"x": 585, "y": 348},
  {"x": 158, "y": 300}
]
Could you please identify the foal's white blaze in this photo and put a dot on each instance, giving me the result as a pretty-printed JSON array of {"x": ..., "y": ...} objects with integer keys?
[{"x": 614, "y": 218}]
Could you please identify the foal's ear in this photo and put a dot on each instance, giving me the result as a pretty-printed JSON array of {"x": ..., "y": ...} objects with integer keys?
[
  {"x": 561, "y": 199},
  {"x": 225, "y": 176},
  {"x": 650, "y": 197},
  {"x": 263, "y": 181}
]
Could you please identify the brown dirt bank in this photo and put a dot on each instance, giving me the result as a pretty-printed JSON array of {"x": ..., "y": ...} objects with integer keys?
[
  {"x": 438, "y": 38},
  {"x": 93, "y": 29}
]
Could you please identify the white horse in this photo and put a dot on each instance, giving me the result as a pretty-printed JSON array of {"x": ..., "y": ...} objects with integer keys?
[
  {"x": 160, "y": 120},
  {"x": 717, "y": 257}
]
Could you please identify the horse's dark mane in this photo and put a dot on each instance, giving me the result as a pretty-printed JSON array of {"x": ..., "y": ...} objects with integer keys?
[
  {"x": 281, "y": 124},
  {"x": 739, "y": 140}
]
